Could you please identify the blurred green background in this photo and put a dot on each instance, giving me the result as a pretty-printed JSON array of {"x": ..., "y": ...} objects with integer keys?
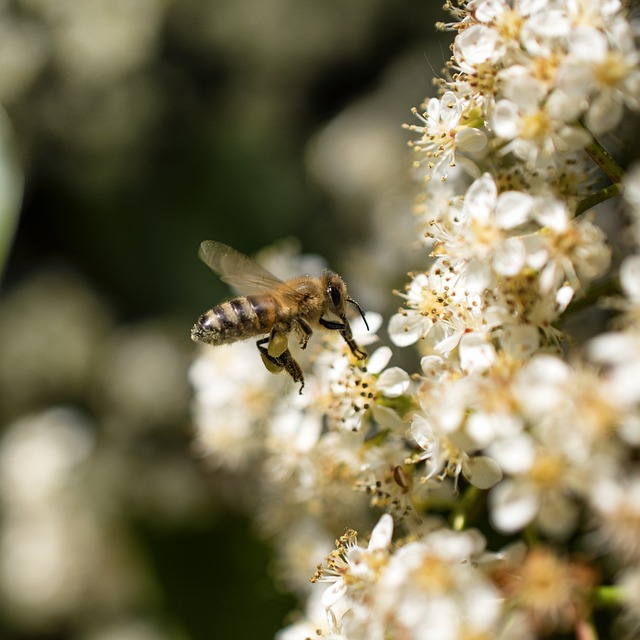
[{"x": 142, "y": 127}]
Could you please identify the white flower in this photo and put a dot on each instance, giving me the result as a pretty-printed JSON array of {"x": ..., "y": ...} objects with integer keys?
[
  {"x": 431, "y": 589},
  {"x": 444, "y": 132},
  {"x": 446, "y": 456},
  {"x": 617, "y": 504},
  {"x": 540, "y": 386},
  {"x": 477, "y": 45},
  {"x": 477, "y": 353},
  {"x": 314, "y": 622},
  {"x": 552, "y": 394},
  {"x": 601, "y": 74},
  {"x": 541, "y": 494},
  {"x": 352, "y": 568},
  {"x": 520, "y": 341},
  {"x": 551, "y": 463},
  {"x": 621, "y": 353},
  {"x": 439, "y": 309},
  {"x": 533, "y": 134},
  {"x": 292, "y": 436},
  {"x": 354, "y": 391},
  {"x": 569, "y": 250},
  {"x": 481, "y": 235},
  {"x": 393, "y": 382}
]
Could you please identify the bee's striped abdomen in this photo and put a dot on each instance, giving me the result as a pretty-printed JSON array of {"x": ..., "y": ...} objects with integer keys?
[{"x": 236, "y": 319}]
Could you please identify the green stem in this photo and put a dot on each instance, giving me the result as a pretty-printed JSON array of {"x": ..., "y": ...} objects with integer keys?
[
  {"x": 461, "y": 513},
  {"x": 606, "y": 596},
  {"x": 592, "y": 200},
  {"x": 605, "y": 161},
  {"x": 459, "y": 521}
]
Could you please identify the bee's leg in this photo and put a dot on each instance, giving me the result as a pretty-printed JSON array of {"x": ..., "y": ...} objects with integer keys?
[
  {"x": 304, "y": 332},
  {"x": 359, "y": 353},
  {"x": 285, "y": 361},
  {"x": 278, "y": 340},
  {"x": 332, "y": 324},
  {"x": 292, "y": 368},
  {"x": 345, "y": 331},
  {"x": 272, "y": 364}
]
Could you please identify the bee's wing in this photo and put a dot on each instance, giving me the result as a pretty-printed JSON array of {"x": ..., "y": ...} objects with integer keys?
[{"x": 239, "y": 271}]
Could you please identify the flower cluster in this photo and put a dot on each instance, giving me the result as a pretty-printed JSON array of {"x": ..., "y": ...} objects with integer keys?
[{"x": 507, "y": 425}]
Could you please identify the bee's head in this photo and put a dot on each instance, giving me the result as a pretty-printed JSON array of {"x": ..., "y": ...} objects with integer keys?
[
  {"x": 337, "y": 298},
  {"x": 335, "y": 291}
]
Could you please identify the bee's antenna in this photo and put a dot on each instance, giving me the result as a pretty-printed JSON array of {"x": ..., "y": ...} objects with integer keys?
[{"x": 357, "y": 306}]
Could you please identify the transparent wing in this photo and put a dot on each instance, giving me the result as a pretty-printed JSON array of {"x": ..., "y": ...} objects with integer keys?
[{"x": 239, "y": 271}]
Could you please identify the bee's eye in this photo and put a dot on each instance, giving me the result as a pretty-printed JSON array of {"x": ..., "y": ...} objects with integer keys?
[{"x": 336, "y": 297}]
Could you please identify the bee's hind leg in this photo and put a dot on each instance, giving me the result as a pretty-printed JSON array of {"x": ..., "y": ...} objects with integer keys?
[
  {"x": 292, "y": 368},
  {"x": 272, "y": 363},
  {"x": 275, "y": 364}
]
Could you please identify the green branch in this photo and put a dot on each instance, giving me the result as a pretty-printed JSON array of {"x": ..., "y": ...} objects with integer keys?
[
  {"x": 592, "y": 200},
  {"x": 605, "y": 161}
]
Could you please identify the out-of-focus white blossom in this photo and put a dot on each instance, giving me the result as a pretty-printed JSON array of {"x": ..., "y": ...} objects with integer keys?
[
  {"x": 616, "y": 501},
  {"x": 54, "y": 538},
  {"x": 233, "y": 394}
]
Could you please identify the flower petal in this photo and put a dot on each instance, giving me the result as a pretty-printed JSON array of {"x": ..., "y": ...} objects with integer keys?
[
  {"x": 382, "y": 533},
  {"x": 334, "y": 593},
  {"x": 406, "y": 329},
  {"x": 513, "y": 506},
  {"x": 379, "y": 359},
  {"x": 393, "y": 382},
  {"x": 482, "y": 472}
]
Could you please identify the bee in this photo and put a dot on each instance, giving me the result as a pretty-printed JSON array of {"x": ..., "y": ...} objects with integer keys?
[{"x": 273, "y": 308}]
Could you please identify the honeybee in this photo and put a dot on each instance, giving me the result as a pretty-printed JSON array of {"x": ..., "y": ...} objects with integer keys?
[{"x": 274, "y": 307}]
